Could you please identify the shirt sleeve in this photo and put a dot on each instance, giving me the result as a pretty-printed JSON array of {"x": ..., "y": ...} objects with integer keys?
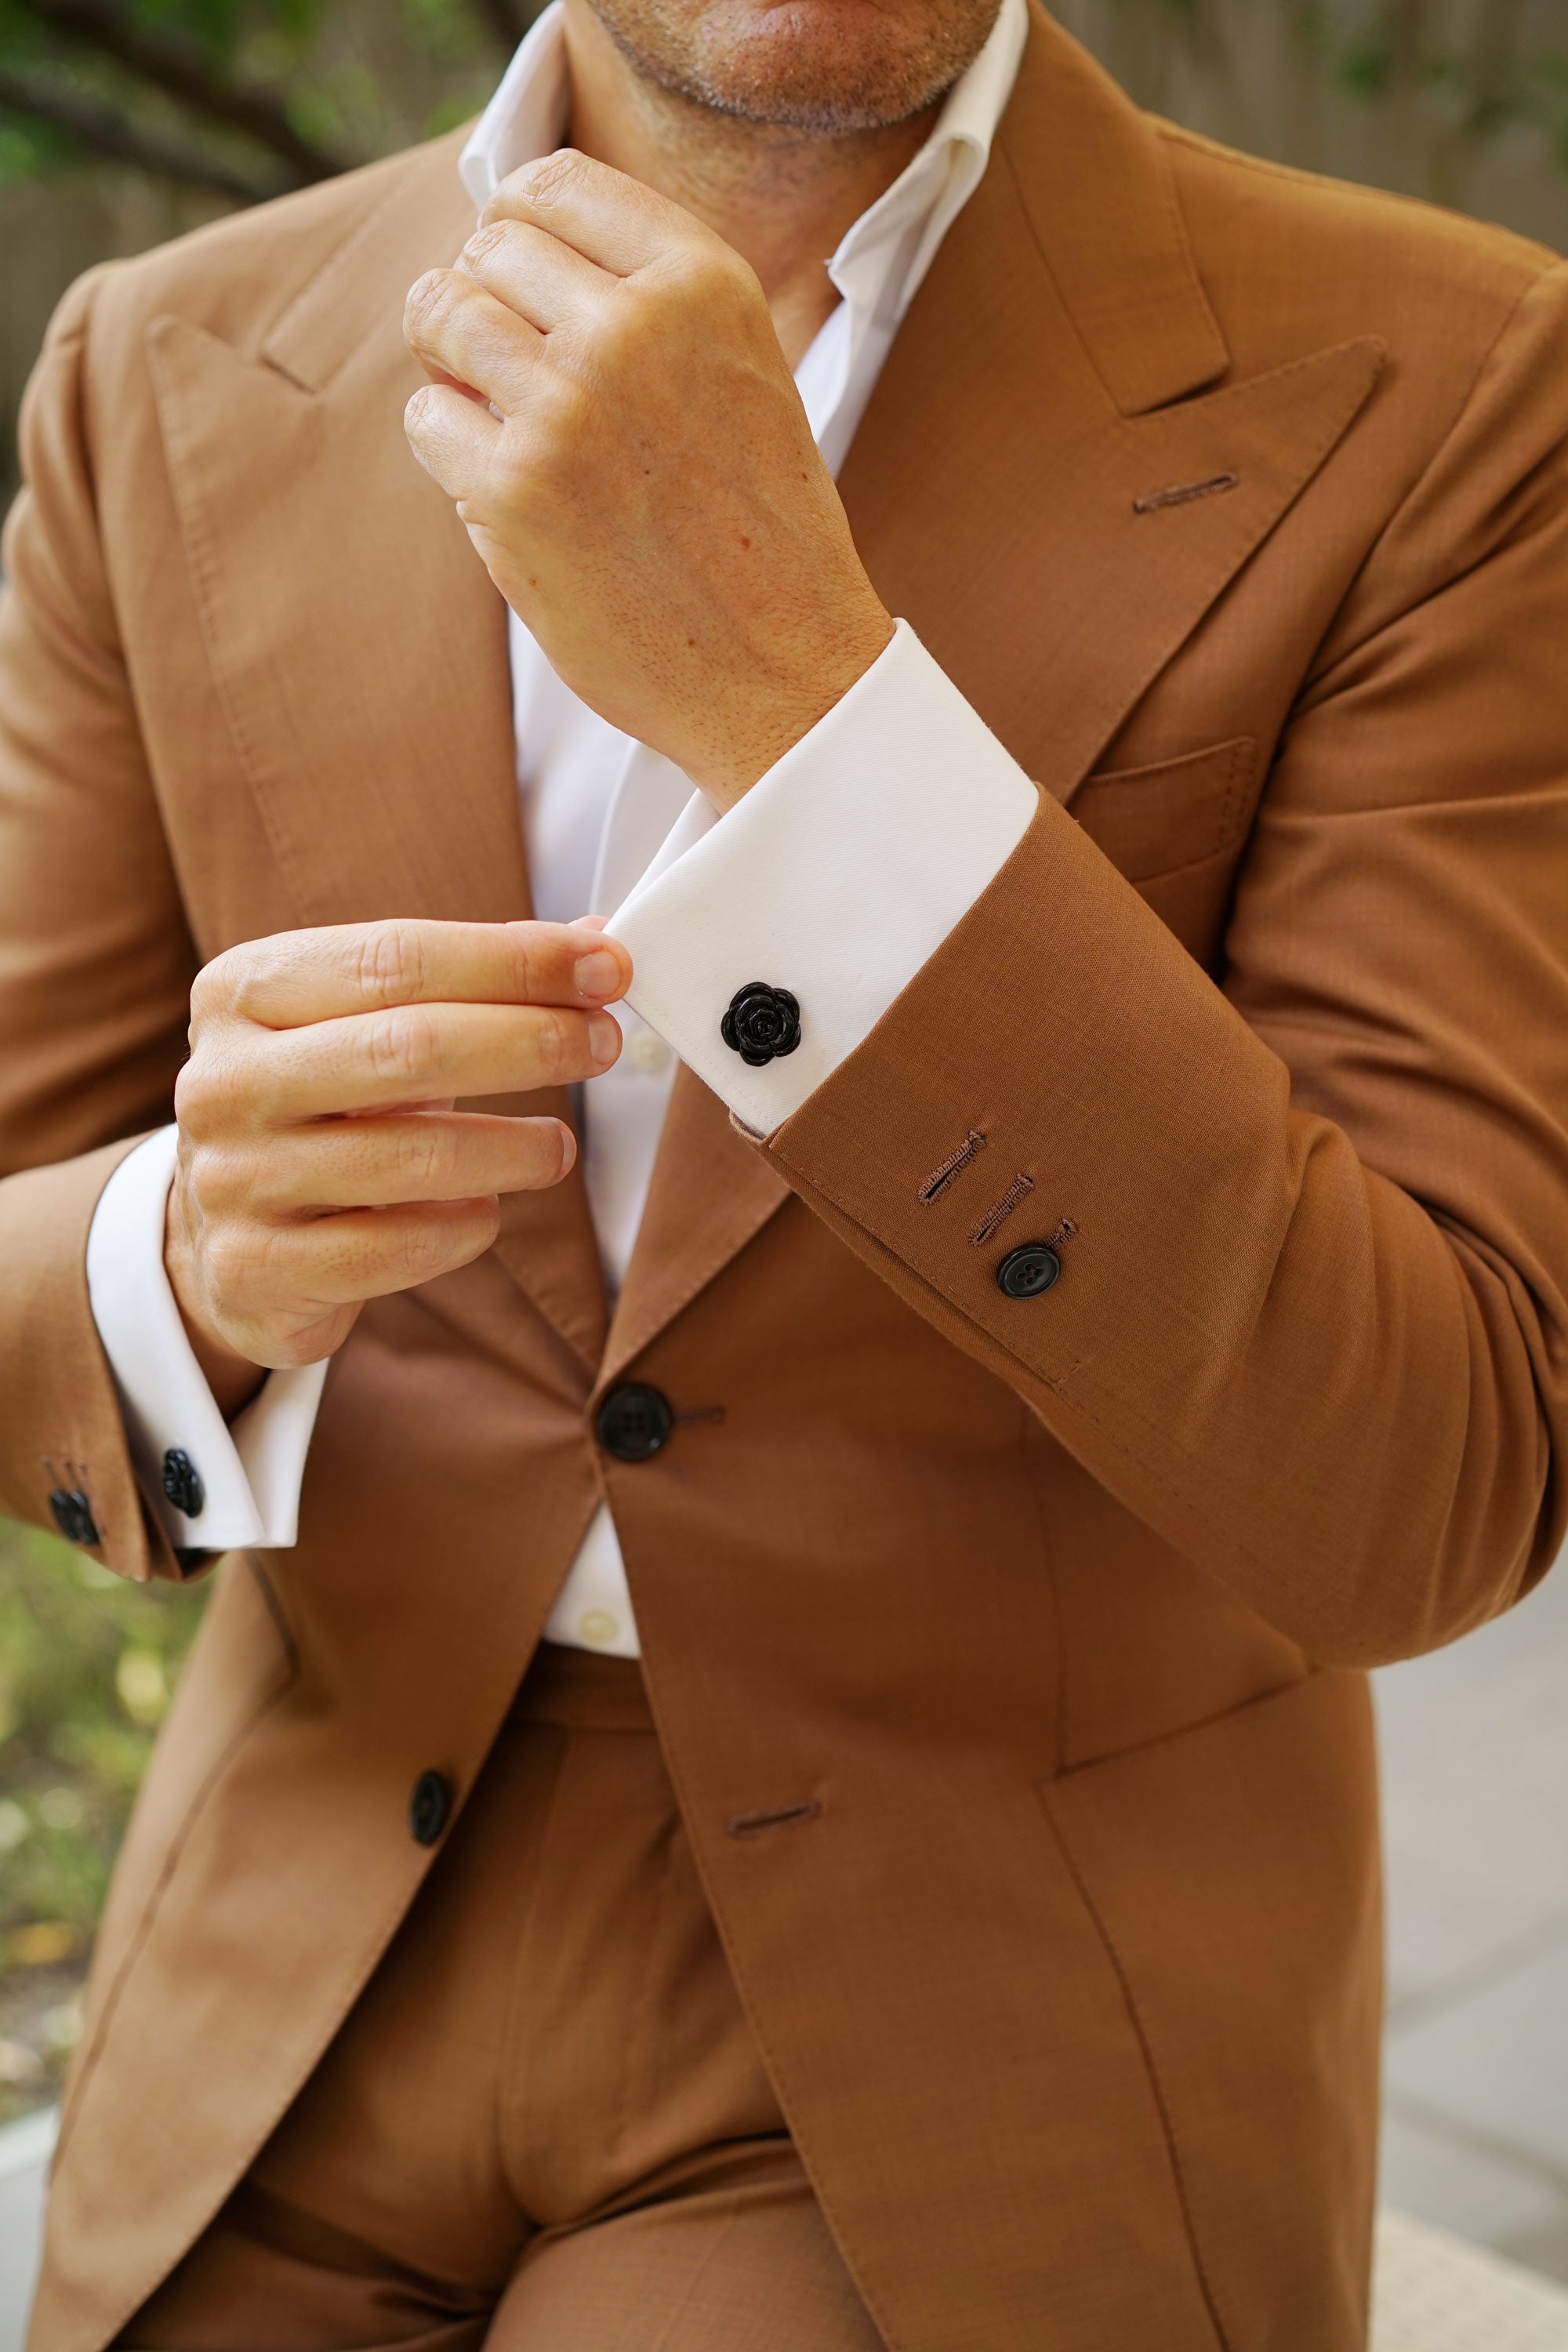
[
  {"x": 830, "y": 883},
  {"x": 247, "y": 1479}
]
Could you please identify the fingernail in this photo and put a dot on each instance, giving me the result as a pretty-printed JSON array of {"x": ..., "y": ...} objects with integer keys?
[
  {"x": 603, "y": 1039},
  {"x": 597, "y": 974},
  {"x": 568, "y": 1148}
]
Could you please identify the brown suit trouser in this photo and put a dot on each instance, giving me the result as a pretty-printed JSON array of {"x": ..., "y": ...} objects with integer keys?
[{"x": 545, "y": 2126}]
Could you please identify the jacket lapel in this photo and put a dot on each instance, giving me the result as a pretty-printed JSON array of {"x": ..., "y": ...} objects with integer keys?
[
  {"x": 1044, "y": 384},
  {"x": 711, "y": 1192},
  {"x": 1035, "y": 553},
  {"x": 358, "y": 648}
]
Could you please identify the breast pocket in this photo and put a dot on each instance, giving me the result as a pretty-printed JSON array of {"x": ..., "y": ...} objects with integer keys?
[{"x": 1175, "y": 831}]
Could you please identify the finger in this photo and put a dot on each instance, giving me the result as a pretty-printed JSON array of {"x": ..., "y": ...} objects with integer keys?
[
  {"x": 603, "y": 215},
  {"x": 533, "y": 273},
  {"x": 397, "y": 1159},
  {"x": 383, "y": 1061},
  {"x": 454, "y": 433},
  {"x": 295, "y": 977},
  {"x": 359, "y": 1254},
  {"x": 453, "y": 327}
]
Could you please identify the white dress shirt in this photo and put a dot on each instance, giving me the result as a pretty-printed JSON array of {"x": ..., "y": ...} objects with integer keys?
[{"x": 838, "y": 876}]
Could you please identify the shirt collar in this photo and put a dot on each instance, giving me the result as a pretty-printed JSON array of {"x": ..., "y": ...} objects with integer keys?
[
  {"x": 527, "y": 118},
  {"x": 936, "y": 184}
]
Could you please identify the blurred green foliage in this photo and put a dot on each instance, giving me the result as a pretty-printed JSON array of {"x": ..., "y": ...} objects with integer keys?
[
  {"x": 88, "y": 1663},
  {"x": 246, "y": 98},
  {"x": 1490, "y": 68},
  {"x": 1477, "y": 70}
]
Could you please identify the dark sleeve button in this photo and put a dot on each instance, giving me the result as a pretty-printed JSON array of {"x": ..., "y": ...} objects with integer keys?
[
  {"x": 73, "y": 1516},
  {"x": 182, "y": 1483},
  {"x": 634, "y": 1423},
  {"x": 762, "y": 1023},
  {"x": 430, "y": 1807},
  {"x": 1029, "y": 1272}
]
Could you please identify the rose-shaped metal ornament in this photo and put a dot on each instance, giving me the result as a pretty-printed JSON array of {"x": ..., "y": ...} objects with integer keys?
[{"x": 763, "y": 1022}]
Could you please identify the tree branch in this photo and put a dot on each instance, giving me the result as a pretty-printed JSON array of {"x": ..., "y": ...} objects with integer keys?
[
  {"x": 508, "y": 20},
  {"x": 99, "y": 129},
  {"x": 185, "y": 74}
]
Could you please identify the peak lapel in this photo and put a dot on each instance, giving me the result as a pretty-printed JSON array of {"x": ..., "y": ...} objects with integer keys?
[
  {"x": 357, "y": 645},
  {"x": 711, "y": 1192},
  {"x": 1045, "y": 383}
]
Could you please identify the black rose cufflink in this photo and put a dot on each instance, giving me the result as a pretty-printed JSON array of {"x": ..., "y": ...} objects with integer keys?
[{"x": 762, "y": 1023}]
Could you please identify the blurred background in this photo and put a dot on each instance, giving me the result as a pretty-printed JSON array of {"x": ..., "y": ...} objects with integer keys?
[{"x": 124, "y": 123}]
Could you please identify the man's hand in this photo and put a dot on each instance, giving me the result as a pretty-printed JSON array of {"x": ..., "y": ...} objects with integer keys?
[
  {"x": 321, "y": 1161},
  {"x": 613, "y": 414}
]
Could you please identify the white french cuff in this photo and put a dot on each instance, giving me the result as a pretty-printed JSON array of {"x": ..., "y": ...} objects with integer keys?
[
  {"x": 834, "y": 878},
  {"x": 250, "y": 1474}
]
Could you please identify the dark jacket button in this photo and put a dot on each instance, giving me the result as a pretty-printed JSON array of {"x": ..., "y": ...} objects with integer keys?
[
  {"x": 762, "y": 1023},
  {"x": 1029, "y": 1272},
  {"x": 182, "y": 1483},
  {"x": 430, "y": 1807},
  {"x": 73, "y": 1516},
  {"x": 634, "y": 1423}
]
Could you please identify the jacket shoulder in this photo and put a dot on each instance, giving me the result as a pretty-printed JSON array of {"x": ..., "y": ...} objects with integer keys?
[
  {"x": 1286, "y": 255},
  {"x": 237, "y": 276}
]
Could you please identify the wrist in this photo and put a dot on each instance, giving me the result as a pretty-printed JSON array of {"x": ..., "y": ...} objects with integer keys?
[{"x": 767, "y": 726}]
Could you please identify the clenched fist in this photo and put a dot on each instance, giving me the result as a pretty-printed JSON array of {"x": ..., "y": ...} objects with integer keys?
[
  {"x": 320, "y": 1160},
  {"x": 613, "y": 413}
]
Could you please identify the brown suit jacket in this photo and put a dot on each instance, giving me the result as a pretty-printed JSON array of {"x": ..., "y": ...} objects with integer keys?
[{"x": 1055, "y": 1611}]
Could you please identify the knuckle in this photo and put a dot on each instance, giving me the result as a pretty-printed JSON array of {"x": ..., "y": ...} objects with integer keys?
[
  {"x": 429, "y": 300},
  {"x": 212, "y": 989},
  {"x": 552, "y": 1042},
  {"x": 192, "y": 1096},
  {"x": 207, "y": 1096},
  {"x": 401, "y": 1045},
  {"x": 705, "y": 274},
  {"x": 252, "y": 974},
  {"x": 548, "y": 177},
  {"x": 622, "y": 322},
  {"x": 487, "y": 237},
  {"x": 390, "y": 961},
  {"x": 426, "y": 1158},
  {"x": 247, "y": 974},
  {"x": 232, "y": 1261},
  {"x": 566, "y": 1045},
  {"x": 428, "y": 1247},
  {"x": 217, "y": 1178}
]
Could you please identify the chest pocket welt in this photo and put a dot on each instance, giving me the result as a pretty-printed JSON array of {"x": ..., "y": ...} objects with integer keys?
[
  {"x": 1175, "y": 831},
  {"x": 1150, "y": 821}
]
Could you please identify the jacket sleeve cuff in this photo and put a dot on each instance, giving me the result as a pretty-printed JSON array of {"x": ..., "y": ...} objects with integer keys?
[
  {"x": 834, "y": 881},
  {"x": 250, "y": 1474}
]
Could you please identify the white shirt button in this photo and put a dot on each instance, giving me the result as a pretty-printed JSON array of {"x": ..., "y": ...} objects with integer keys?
[
  {"x": 648, "y": 1050},
  {"x": 597, "y": 1628}
]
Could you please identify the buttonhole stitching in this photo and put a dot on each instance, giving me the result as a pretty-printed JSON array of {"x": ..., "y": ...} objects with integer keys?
[
  {"x": 1180, "y": 494},
  {"x": 72, "y": 1477},
  {"x": 997, "y": 1214},
  {"x": 710, "y": 1412},
  {"x": 784, "y": 1817},
  {"x": 952, "y": 1168}
]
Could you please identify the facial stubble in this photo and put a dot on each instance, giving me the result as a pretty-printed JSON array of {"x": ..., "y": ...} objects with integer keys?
[{"x": 786, "y": 66}]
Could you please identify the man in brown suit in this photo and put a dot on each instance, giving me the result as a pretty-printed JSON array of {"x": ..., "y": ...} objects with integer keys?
[{"x": 1100, "y": 1290}]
